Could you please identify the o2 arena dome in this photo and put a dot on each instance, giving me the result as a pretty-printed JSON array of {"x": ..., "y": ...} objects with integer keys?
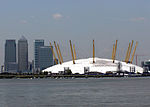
[
  {"x": 93, "y": 64},
  {"x": 100, "y": 65}
]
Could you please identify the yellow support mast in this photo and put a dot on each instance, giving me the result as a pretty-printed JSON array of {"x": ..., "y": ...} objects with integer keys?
[
  {"x": 60, "y": 53},
  {"x": 53, "y": 53},
  {"x": 115, "y": 51},
  {"x": 75, "y": 57},
  {"x": 128, "y": 58},
  {"x": 127, "y": 53},
  {"x": 72, "y": 52},
  {"x": 57, "y": 52},
  {"x": 93, "y": 52},
  {"x": 134, "y": 53}
]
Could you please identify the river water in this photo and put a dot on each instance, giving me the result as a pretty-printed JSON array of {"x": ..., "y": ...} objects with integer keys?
[{"x": 91, "y": 92}]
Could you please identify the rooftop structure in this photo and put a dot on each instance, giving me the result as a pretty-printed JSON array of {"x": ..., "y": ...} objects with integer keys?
[
  {"x": 93, "y": 64},
  {"x": 100, "y": 65}
]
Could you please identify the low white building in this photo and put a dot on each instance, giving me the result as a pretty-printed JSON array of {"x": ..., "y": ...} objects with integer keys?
[{"x": 86, "y": 65}]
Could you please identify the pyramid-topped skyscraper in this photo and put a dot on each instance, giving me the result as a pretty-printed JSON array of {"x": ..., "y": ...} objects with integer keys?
[{"x": 22, "y": 54}]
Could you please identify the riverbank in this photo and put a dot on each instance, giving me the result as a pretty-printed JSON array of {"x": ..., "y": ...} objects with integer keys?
[{"x": 32, "y": 76}]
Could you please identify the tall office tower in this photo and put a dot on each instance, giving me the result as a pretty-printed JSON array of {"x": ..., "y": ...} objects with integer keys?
[
  {"x": 45, "y": 57},
  {"x": 22, "y": 54},
  {"x": 37, "y": 43},
  {"x": 10, "y": 56},
  {"x": 2, "y": 68}
]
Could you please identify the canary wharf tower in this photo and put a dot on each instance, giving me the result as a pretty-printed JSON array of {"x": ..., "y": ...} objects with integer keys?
[
  {"x": 22, "y": 54},
  {"x": 10, "y": 55}
]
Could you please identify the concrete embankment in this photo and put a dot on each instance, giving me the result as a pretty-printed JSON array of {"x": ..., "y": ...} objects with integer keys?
[{"x": 64, "y": 76}]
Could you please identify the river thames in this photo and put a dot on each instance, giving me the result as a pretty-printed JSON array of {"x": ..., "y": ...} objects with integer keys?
[{"x": 90, "y": 92}]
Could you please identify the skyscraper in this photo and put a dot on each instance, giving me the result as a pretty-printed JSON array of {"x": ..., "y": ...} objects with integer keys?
[
  {"x": 10, "y": 55},
  {"x": 22, "y": 54},
  {"x": 37, "y": 43},
  {"x": 45, "y": 57}
]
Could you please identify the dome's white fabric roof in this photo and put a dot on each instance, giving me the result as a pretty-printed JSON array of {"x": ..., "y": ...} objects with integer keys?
[{"x": 100, "y": 65}]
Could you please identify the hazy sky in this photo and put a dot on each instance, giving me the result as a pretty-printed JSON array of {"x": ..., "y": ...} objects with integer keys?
[{"x": 78, "y": 20}]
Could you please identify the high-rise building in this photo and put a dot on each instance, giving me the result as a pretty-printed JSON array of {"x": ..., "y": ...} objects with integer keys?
[
  {"x": 22, "y": 54},
  {"x": 10, "y": 56},
  {"x": 37, "y": 43},
  {"x": 45, "y": 57},
  {"x": 2, "y": 68}
]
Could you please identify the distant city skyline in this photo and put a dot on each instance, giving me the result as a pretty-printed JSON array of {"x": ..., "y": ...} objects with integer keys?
[{"x": 80, "y": 21}]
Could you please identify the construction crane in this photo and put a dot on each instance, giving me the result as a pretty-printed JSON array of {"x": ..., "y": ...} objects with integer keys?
[
  {"x": 53, "y": 53},
  {"x": 93, "y": 52},
  {"x": 114, "y": 56},
  {"x": 75, "y": 57},
  {"x": 72, "y": 52},
  {"x": 60, "y": 53},
  {"x": 127, "y": 53},
  {"x": 57, "y": 52},
  {"x": 130, "y": 49},
  {"x": 134, "y": 52}
]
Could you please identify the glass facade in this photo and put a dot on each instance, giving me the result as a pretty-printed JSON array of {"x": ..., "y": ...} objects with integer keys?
[
  {"x": 22, "y": 54},
  {"x": 45, "y": 57},
  {"x": 37, "y": 44},
  {"x": 10, "y": 55}
]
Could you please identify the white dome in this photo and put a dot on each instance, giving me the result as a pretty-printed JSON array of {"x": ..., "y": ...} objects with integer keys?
[{"x": 100, "y": 65}]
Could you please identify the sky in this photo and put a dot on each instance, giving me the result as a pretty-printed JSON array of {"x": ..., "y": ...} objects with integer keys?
[{"x": 81, "y": 21}]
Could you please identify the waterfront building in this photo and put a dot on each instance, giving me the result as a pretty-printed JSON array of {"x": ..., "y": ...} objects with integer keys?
[
  {"x": 12, "y": 67},
  {"x": 45, "y": 57},
  {"x": 10, "y": 56},
  {"x": 2, "y": 68},
  {"x": 37, "y": 43},
  {"x": 33, "y": 66},
  {"x": 22, "y": 54},
  {"x": 101, "y": 65},
  {"x": 146, "y": 65},
  {"x": 30, "y": 66}
]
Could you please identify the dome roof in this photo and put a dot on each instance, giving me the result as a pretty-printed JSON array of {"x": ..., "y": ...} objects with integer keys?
[{"x": 100, "y": 65}]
